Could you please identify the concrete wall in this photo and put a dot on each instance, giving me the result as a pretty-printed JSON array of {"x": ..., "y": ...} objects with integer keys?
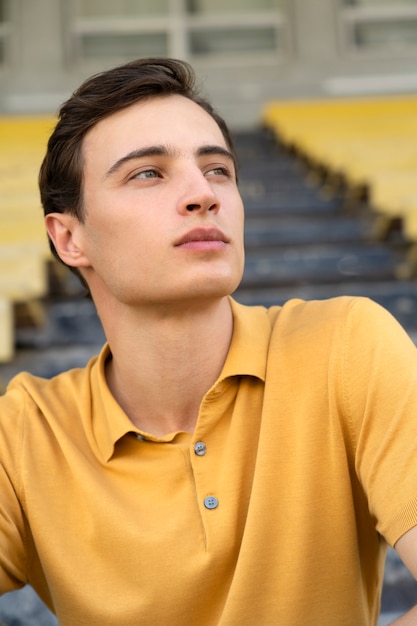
[{"x": 39, "y": 71}]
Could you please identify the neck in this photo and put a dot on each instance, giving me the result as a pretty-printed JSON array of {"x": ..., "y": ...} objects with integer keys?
[{"x": 163, "y": 364}]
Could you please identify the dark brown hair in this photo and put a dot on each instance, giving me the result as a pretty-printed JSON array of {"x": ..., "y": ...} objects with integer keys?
[{"x": 61, "y": 173}]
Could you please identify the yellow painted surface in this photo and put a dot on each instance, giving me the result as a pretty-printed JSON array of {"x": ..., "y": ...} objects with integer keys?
[{"x": 370, "y": 141}]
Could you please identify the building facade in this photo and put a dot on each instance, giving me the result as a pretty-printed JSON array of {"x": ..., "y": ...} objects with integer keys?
[{"x": 245, "y": 51}]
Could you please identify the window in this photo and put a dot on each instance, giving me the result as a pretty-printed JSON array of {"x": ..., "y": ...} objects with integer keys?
[
  {"x": 190, "y": 29},
  {"x": 4, "y": 29},
  {"x": 380, "y": 27},
  {"x": 233, "y": 27},
  {"x": 117, "y": 29}
]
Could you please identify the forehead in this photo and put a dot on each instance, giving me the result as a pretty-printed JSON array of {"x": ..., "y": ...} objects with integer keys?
[{"x": 162, "y": 120}]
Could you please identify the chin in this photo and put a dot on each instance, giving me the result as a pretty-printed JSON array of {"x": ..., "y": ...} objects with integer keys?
[{"x": 218, "y": 289}]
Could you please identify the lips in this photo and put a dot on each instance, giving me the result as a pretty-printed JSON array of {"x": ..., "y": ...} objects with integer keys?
[{"x": 202, "y": 234}]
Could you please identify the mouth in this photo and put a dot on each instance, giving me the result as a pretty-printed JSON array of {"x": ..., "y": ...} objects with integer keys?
[{"x": 202, "y": 236}]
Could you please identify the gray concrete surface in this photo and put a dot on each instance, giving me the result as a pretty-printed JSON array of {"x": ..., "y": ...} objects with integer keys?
[{"x": 23, "y": 608}]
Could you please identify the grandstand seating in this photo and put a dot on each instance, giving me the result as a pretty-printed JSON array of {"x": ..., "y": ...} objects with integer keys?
[
  {"x": 294, "y": 233},
  {"x": 23, "y": 245},
  {"x": 301, "y": 243},
  {"x": 369, "y": 143},
  {"x": 287, "y": 225}
]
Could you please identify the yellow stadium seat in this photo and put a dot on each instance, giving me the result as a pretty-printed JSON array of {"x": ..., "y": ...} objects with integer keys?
[
  {"x": 24, "y": 251},
  {"x": 369, "y": 142},
  {"x": 6, "y": 330}
]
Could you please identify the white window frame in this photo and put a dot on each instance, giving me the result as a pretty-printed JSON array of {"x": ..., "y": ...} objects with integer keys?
[
  {"x": 352, "y": 16},
  {"x": 177, "y": 25},
  {"x": 5, "y": 36}
]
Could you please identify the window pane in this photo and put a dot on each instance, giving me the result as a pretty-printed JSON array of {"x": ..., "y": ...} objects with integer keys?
[
  {"x": 4, "y": 11},
  {"x": 230, "y": 40},
  {"x": 165, "y": 34},
  {"x": 395, "y": 34},
  {"x": 126, "y": 46},
  {"x": 110, "y": 8},
  {"x": 4, "y": 7},
  {"x": 376, "y": 3},
  {"x": 231, "y": 6}
]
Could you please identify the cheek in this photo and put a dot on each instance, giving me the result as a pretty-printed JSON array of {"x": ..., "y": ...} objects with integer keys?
[
  {"x": 129, "y": 249},
  {"x": 239, "y": 216}
]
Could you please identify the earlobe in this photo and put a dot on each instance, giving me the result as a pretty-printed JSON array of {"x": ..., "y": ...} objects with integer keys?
[{"x": 63, "y": 229}]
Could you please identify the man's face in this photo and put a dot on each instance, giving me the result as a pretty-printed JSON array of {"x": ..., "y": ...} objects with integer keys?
[{"x": 163, "y": 215}]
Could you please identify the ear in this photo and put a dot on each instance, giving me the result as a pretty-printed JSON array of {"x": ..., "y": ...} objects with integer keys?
[{"x": 64, "y": 230}]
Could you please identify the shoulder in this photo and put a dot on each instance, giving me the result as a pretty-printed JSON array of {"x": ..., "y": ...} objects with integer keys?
[
  {"x": 29, "y": 399},
  {"x": 30, "y": 386},
  {"x": 324, "y": 310},
  {"x": 330, "y": 315},
  {"x": 346, "y": 327},
  {"x": 344, "y": 318},
  {"x": 341, "y": 313}
]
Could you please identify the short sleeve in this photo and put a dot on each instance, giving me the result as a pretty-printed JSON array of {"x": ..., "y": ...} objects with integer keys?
[
  {"x": 380, "y": 398},
  {"x": 12, "y": 520}
]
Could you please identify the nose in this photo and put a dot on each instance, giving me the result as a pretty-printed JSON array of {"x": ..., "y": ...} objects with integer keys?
[{"x": 198, "y": 194}]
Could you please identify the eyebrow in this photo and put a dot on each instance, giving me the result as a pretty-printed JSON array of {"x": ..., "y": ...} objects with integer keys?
[{"x": 152, "y": 151}]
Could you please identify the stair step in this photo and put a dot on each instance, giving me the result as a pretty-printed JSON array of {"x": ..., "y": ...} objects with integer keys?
[
  {"x": 69, "y": 322},
  {"x": 398, "y": 297},
  {"x": 318, "y": 264},
  {"x": 280, "y": 203},
  {"x": 292, "y": 231}
]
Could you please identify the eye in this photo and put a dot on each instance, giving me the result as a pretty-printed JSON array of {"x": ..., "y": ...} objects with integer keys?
[
  {"x": 219, "y": 170},
  {"x": 149, "y": 173}
]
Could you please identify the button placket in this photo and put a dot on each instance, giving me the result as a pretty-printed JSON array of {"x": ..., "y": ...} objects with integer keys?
[
  {"x": 210, "y": 502},
  {"x": 203, "y": 476}
]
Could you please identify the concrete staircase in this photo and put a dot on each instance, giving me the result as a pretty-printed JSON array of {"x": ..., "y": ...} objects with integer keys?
[{"x": 301, "y": 242}]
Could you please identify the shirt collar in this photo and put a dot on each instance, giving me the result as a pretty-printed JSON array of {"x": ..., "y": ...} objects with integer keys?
[
  {"x": 247, "y": 355},
  {"x": 250, "y": 340},
  {"x": 109, "y": 422}
]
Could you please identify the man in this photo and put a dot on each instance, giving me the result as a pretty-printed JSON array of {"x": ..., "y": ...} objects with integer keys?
[{"x": 216, "y": 464}]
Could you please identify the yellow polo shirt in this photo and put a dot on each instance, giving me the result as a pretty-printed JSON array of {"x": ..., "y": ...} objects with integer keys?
[{"x": 272, "y": 513}]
